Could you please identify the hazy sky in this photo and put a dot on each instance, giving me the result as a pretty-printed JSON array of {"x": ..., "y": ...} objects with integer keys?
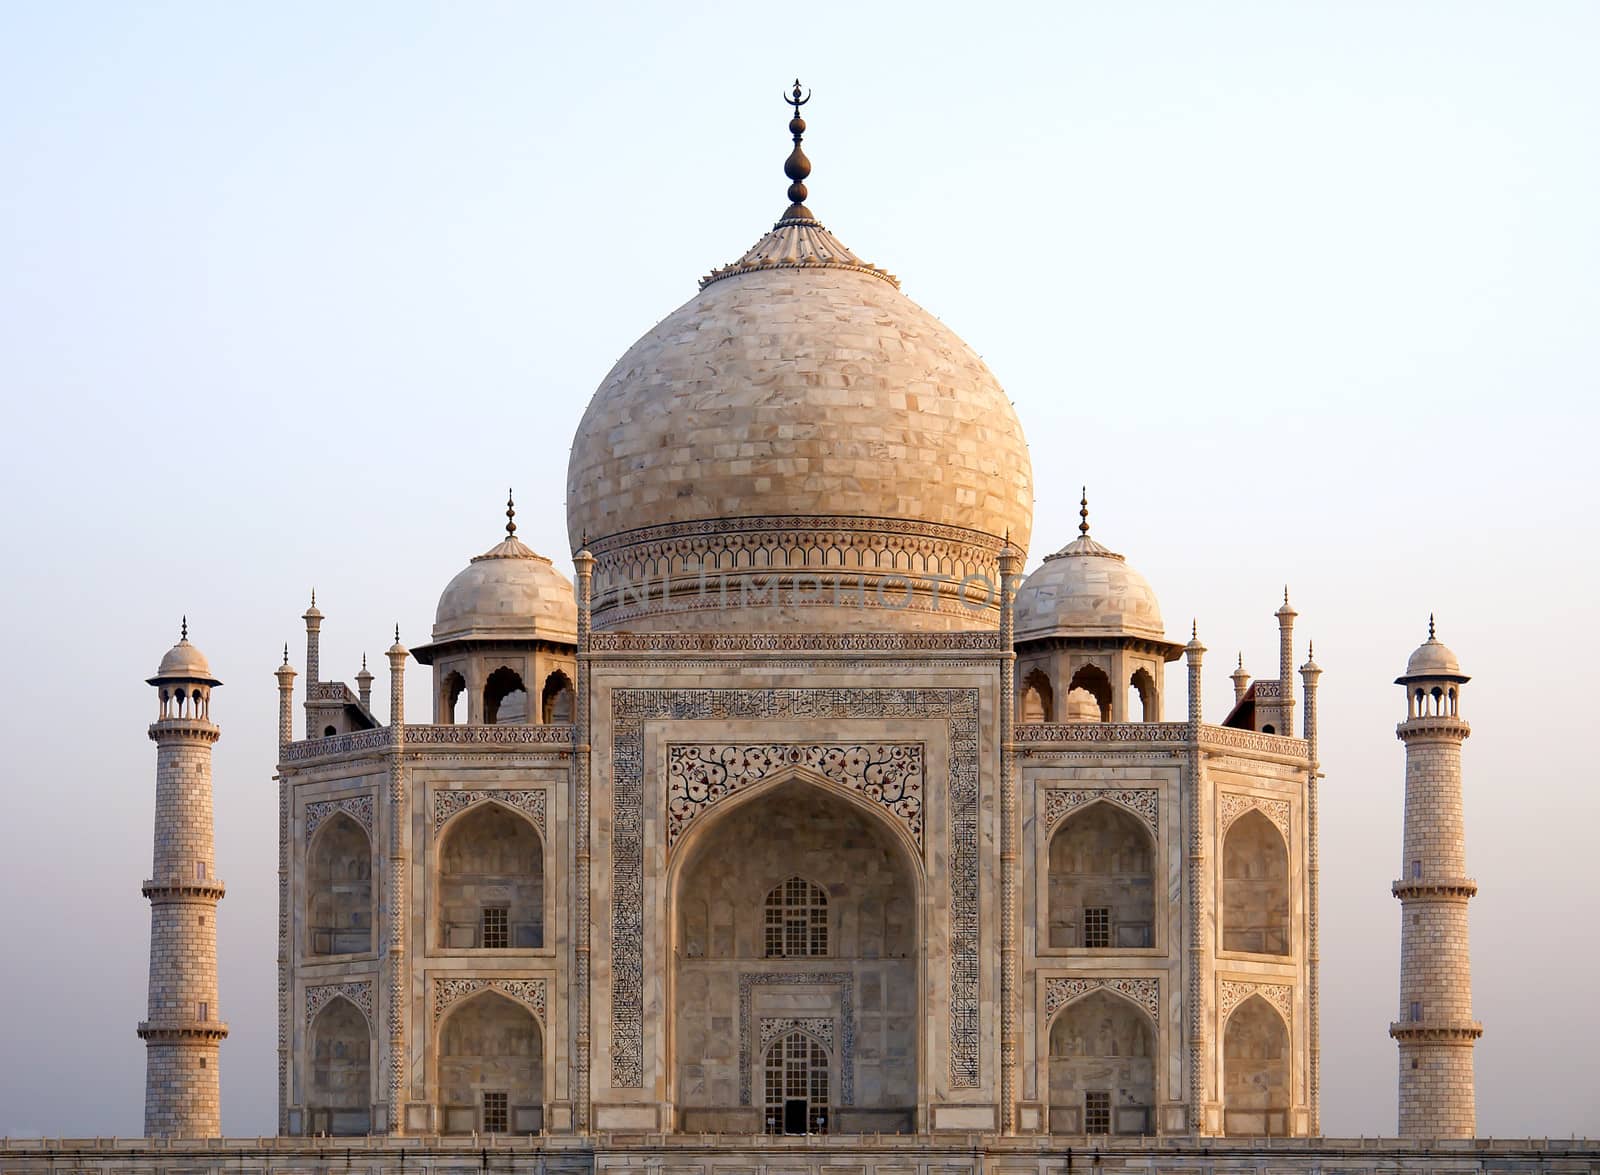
[{"x": 290, "y": 293}]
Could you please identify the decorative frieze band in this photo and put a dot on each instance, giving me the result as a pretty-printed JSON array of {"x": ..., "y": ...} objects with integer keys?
[
  {"x": 358, "y": 992},
  {"x": 699, "y": 775},
  {"x": 1231, "y": 993},
  {"x": 507, "y": 734},
  {"x": 531, "y": 993},
  {"x": 1232, "y": 805},
  {"x": 1143, "y": 802},
  {"x": 358, "y": 808},
  {"x": 1174, "y": 733},
  {"x": 338, "y": 744},
  {"x": 452, "y": 802},
  {"x": 1142, "y": 990},
  {"x": 794, "y": 642}
]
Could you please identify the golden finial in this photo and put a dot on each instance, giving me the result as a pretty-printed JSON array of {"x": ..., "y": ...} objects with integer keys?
[
  {"x": 1083, "y": 513},
  {"x": 1430, "y": 626},
  {"x": 511, "y": 517},
  {"x": 1194, "y": 635},
  {"x": 285, "y": 652},
  {"x": 797, "y": 167},
  {"x": 184, "y": 631},
  {"x": 397, "y": 633}
]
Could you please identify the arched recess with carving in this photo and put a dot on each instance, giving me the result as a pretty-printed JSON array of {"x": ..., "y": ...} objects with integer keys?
[
  {"x": 1090, "y": 680},
  {"x": 339, "y": 889},
  {"x": 1102, "y": 1066},
  {"x": 801, "y": 828},
  {"x": 797, "y": 1085},
  {"x": 489, "y": 1070},
  {"x": 1255, "y": 886},
  {"x": 1255, "y": 1070},
  {"x": 1036, "y": 702},
  {"x": 490, "y": 881},
  {"x": 1101, "y": 880},
  {"x": 339, "y": 1085}
]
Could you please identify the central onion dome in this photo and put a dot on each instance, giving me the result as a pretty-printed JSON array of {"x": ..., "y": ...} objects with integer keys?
[{"x": 798, "y": 446}]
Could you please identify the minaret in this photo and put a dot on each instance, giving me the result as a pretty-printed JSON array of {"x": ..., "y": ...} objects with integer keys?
[
  {"x": 1286, "y": 615},
  {"x": 183, "y": 1028},
  {"x": 1241, "y": 681},
  {"x": 1435, "y": 1031}
]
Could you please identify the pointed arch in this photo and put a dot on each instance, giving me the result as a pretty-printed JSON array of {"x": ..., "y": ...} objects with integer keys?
[
  {"x": 490, "y": 1071},
  {"x": 1092, "y": 680},
  {"x": 1255, "y": 886},
  {"x": 490, "y": 880},
  {"x": 797, "y": 1084},
  {"x": 451, "y": 687},
  {"x": 339, "y": 1084},
  {"x": 1103, "y": 1070},
  {"x": 1036, "y": 702},
  {"x": 1101, "y": 880},
  {"x": 556, "y": 698},
  {"x": 1256, "y": 1070},
  {"x": 1143, "y": 686},
  {"x": 505, "y": 697},
  {"x": 339, "y": 894}
]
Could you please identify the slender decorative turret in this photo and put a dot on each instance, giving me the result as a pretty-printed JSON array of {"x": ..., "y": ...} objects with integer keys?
[
  {"x": 183, "y": 1027},
  {"x": 1436, "y": 1031}
]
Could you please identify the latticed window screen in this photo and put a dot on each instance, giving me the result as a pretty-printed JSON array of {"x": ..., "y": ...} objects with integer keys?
[
  {"x": 496, "y": 1111},
  {"x": 1097, "y": 926},
  {"x": 496, "y": 927},
  {"x": 797, "y": 920},
  {"x": 797, "y": 1069},
  {"x": 1097, "y": 1111}
]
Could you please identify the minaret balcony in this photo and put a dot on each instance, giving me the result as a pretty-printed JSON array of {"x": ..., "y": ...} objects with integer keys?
[
  {"x": 1433, "y": 725},
  {"x": 1436, "y": 1032},
  {"x": 1437, "y": 887},
  {"x": 176, "y": 889},
  {"x": 182, "y": 1031},
  {"x": 184, "y": 729}
]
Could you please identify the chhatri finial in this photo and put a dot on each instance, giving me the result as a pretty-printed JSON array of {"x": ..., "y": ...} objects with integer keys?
[
  {"x": 183, "y": 633},
  {"x": 363, "y": 662},
  {"x": 397, "y": 633},
  {"x": 1311, "y": 650},
  {"x": 1430, "y": 627},
  {"x": 1241, "y": 660},
  {"x": 285, "y": 652},
  {"x": 313, "y": 597},
  {"x": 1194, "y": 635},
  {"x": 511, "y": 517},
  {"x": 1083, "y": 513},
  {"x": 797, "y": 166},
  {"x": 1285, "y": 595}
]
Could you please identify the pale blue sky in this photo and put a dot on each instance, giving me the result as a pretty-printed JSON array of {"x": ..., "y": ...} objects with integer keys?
[{"x": 290, "y": 293}]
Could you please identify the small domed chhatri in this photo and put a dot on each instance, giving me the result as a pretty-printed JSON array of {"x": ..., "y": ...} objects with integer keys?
[
  {"x": 1086, "y": 589},
  {"x": 509, "y": 591},
  {"x": 798, "y": 417},
  {"x": 1432, "y": 659},
  {"x": 184, "y": 662}
]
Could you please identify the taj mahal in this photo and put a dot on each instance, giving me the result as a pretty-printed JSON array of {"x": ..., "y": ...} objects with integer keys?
[{"x": 796, "y": 829}]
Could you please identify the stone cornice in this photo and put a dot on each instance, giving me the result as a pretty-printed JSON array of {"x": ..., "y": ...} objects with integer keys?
[
  {"x": 174, "y": 730},
  {"x": 1433, "y": 726}
]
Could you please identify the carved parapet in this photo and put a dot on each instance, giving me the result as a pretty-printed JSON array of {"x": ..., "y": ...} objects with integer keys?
[
  {"x": 175, "y": 890},
  {"x": 182, "y": 1031},
  {"x": 1424, "y": 1032},
  {"x": 1438, "y": 887}
]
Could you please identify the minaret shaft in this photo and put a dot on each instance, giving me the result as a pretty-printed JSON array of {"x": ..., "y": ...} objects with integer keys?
[
  {"x": 183, "y": 1026},
  {"x": 1435, "y": 1030}
]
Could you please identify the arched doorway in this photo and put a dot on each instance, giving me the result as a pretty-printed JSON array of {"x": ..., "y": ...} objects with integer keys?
[
  {"x": 339, "y": 1092},
  {"x": 491, "y": 882},
  {"x": 1102, "y": 1067},
  {"x": 491, "y": 1068},
  {"x": 794, "y": 916},
  {"x": 1255, "y": 1060}
]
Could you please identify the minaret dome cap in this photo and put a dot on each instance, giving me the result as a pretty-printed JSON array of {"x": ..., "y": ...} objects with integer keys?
[
  {"x": 1433, "y": 661},
  {"x": 184, "y": 662}
]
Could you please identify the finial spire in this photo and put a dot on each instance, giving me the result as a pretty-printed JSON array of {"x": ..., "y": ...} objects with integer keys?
[
  {"x": 363, "y": 662},
  {"x": 397, "y": 633},
  {"x": 184, "y": 632},
  {"x": 1430, "y": 626},
  {"x": 285, "y": 652},
  {"x": 1286, "y": 594},
  {"x": 1194, "y": 635},
  {"x": 313, "y": 597},
  {"x": 511, "y": 516},
  {"x": 1083, "y": 513},
  {"x": 1241, "y": 660},
  {"x": 797, "y": 167}
]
